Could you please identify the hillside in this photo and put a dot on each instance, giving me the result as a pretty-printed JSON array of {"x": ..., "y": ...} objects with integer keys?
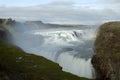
[{"x": 18, "y": 65}]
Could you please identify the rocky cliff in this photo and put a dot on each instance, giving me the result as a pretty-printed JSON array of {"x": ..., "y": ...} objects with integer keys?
[{"x": 106, "y": 60}]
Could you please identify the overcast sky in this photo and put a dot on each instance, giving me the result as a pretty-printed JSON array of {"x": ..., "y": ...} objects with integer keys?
[{"x": 62, "y": 11}]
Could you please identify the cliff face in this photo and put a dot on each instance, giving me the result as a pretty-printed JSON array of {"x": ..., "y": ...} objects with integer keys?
[
  {"x": 4, "y": 30},
  {"x": 106, "y": 60},
  {"x": 2, "y": 34}
]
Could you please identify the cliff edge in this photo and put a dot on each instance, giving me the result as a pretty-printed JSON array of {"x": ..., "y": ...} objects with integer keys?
[{"x": 106, "y": 60}]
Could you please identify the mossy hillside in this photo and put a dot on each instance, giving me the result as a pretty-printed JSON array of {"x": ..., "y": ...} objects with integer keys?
[{"x": 15, "y": 64}]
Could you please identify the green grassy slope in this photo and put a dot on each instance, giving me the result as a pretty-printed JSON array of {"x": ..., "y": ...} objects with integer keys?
[{"x": 18, "y": 65}]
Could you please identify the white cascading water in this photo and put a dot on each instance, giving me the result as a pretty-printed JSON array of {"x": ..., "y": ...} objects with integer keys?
[{"x": 71, "y": 49}]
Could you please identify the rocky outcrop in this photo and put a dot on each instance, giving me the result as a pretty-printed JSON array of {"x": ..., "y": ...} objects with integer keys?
[
  {"x": 4, "y": 32},
  {"x": 106, "y": 60}
]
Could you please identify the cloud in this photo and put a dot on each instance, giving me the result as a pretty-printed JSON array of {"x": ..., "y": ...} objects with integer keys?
[
  {"x": 61, "y": 11},
  {"x": 62, "y": 2},
  {"x": 112, "y": 1}
]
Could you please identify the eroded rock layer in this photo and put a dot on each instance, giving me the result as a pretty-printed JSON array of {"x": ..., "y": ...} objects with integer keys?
[{"x": 106, "y": 60}]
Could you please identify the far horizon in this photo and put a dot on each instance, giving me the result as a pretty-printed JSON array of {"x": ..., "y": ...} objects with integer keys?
[{"x": 61, "y": 11}]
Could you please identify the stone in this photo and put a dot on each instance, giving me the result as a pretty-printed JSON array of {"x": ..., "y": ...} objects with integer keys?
[{"x": 106, "y": 60}]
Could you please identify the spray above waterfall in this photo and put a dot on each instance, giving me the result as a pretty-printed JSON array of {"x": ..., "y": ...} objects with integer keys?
[{"x": 71, "y": 48}]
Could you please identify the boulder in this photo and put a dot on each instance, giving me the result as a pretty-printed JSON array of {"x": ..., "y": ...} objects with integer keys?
[{"x": 106, "y": 60}]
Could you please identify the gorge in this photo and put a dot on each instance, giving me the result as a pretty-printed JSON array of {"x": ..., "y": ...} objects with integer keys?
[{"x": 70, "y": 47}]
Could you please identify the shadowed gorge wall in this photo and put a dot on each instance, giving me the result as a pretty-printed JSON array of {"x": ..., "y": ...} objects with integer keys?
[{"x": 106, "y": 60}]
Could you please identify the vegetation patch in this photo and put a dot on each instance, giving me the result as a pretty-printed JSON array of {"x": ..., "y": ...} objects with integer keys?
[{"x": 15, "y": 64}]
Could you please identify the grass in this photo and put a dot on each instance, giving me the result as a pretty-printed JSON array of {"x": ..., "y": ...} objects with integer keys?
[{"x": 15, "y": 64}]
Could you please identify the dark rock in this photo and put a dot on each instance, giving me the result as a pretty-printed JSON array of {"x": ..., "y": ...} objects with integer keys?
[
  {"x": 2, "y": 34},
  {"x": 5, "y": 35},
  {"x": 8, "y": 21},
  {"x": 106, "y": 60}
]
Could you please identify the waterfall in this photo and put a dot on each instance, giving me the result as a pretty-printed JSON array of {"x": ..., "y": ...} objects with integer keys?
[
  {"x": 72, "y": 49},
  {"x": 79, "y": 66}
]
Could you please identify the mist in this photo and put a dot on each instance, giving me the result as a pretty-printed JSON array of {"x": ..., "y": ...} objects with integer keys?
[{"x": 70, "y": 47}]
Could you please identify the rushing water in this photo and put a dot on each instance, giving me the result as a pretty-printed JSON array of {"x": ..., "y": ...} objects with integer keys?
[{"x": 71, "y": 48}]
